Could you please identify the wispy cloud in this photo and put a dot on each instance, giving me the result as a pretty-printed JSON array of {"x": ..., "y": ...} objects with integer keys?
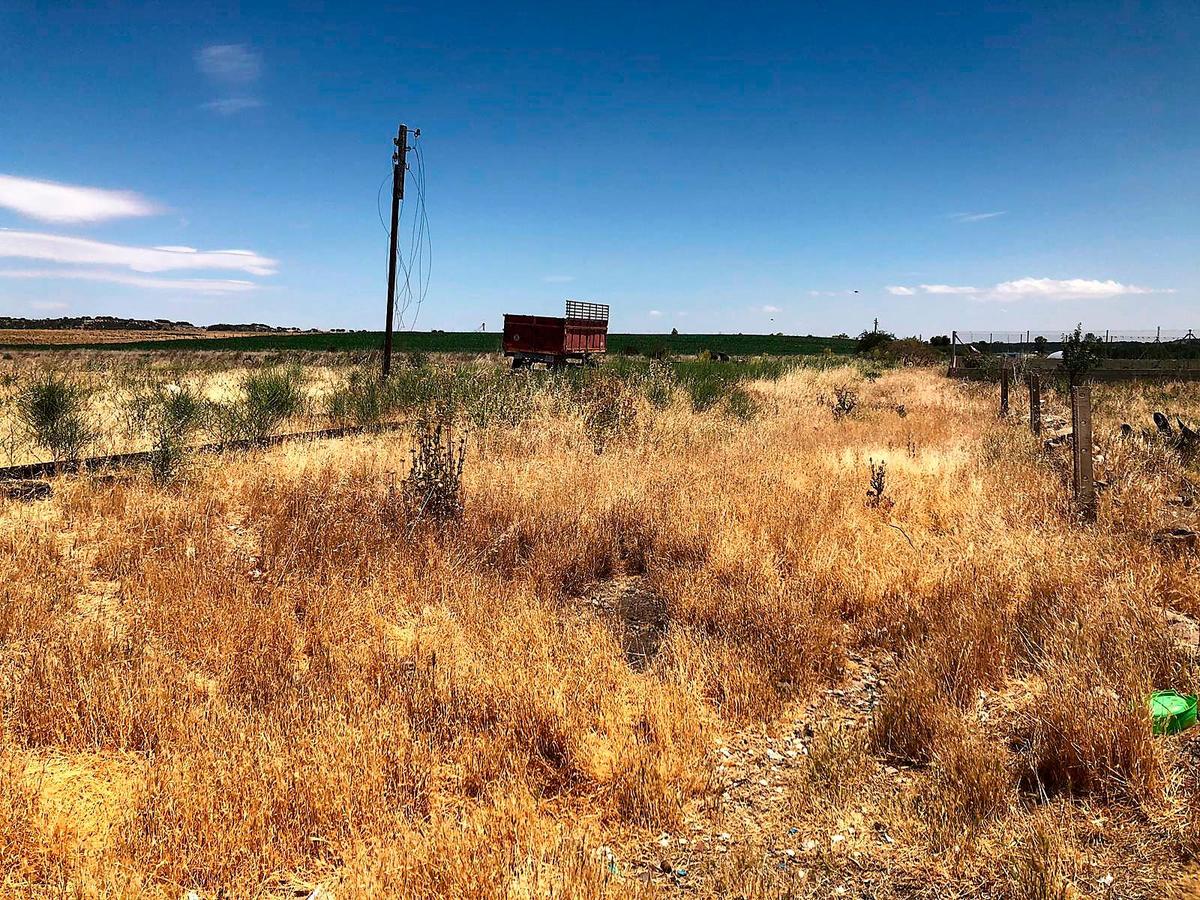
[
  {"x": 47, "y": 305},
  {"x": 230, "y": 105},
  {"x": 1035, "y": 289},
  {"x": 81, "y": 251},
  {"x": 187, "y": 285},
  {"x": 230, "y": 63},
  {"x": 655, "y": 313},
  {"x": 557, "y": 279},
  {"x": 51, "y": 201},
  {"x": 234, "y": 69},
  {"x": 976, "y": 217},
  {"x": 771, "y": 309}
]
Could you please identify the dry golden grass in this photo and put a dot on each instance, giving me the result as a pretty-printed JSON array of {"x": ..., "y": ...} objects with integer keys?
[
  {"x": 265, "y": 678},
  {"x": 69, "y": 336}
]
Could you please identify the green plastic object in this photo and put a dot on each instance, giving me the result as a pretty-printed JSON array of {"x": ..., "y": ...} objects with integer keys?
[{"x": 1172, "y": 712}]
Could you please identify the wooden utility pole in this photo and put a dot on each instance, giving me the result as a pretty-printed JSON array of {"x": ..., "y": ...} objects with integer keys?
[
  {"x": 1035, "y": 403},
  {"x": 1081, "y": 423},
  {"x": 399, "y": 161},
  {"x": 1004, "y": 381}
]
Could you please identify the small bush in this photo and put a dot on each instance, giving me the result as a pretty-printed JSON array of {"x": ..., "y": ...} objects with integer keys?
[
  {"x": 364, "y": 399},
  {"x": 54, "y": 411},
  {"x": 268, "y": 399},
  {"x": 170, "y": 414},
  {"x": 1080, "y": 353}
]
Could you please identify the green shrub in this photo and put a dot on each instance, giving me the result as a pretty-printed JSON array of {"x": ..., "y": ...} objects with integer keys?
[
  {"x": 170, "y": 415},
  {"x": 363, "y": 399},
  {"x": 873, "y": 340},
  {"x": 1080, "y": 353},
  {"x": 54, "y": 411},
  {"x": 269, "y": 397}
]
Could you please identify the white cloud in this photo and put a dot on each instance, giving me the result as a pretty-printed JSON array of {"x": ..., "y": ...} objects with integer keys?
[
  {"x": 50, "y": 201},
  {"x": 188, "y": 285},
  {"x": 1035, "y": 288},
  {"x": 771, "y": 309},
  {"x": 62, "y": 249},
  {"x": 557, "y": 279},
  {"x": 1065, "y": 289},
  {"x": 655, "y": 313},
  {"x": 947, "y": 289},
  {"x": 230, "y": 63},
  {"x": 230, "y": 105},
  {"x": 234, "y": 69},
  {"x": 47, "y": 305},
  {"x": 976, "y": 217}
]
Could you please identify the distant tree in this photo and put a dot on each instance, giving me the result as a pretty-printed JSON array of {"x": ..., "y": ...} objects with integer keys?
[
  {"x": 1040, "y": 343},
  {"x": 674, "y": 331},
  {"x": 1081, "y": 352},
  {"x": 873, "y": 340},
  {"x": 940, "y": 340}
]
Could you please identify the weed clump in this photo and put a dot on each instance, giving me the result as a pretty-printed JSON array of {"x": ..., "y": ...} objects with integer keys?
[
  {"x": 876, "y": 492},
  {"x": 433, "y": 488},
  {"x": 845, "y": 401}
]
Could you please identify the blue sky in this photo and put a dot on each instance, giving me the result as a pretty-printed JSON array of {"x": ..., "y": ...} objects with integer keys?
[{"x": 715, "y": 167}]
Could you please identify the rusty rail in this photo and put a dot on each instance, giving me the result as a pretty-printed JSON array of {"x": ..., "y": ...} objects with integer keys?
[{"x": 144, "y": 457}]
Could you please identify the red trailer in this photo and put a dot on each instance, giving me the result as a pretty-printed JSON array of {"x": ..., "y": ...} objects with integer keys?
[{"x": 577, "y": 338}]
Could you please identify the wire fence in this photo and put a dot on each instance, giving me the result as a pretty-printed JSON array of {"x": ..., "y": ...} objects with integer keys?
[{"x": 1056, "y": 336}]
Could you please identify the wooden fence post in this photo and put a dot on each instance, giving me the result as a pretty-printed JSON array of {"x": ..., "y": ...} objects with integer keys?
[
  {"x": 1004, "y": 380},
  {"x": 1035, "y": 403},
  {"x": 1081, "y": 424}
]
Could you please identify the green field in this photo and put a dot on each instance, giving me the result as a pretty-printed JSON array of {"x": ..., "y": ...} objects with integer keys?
[{"x": 471, "y": 342}]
